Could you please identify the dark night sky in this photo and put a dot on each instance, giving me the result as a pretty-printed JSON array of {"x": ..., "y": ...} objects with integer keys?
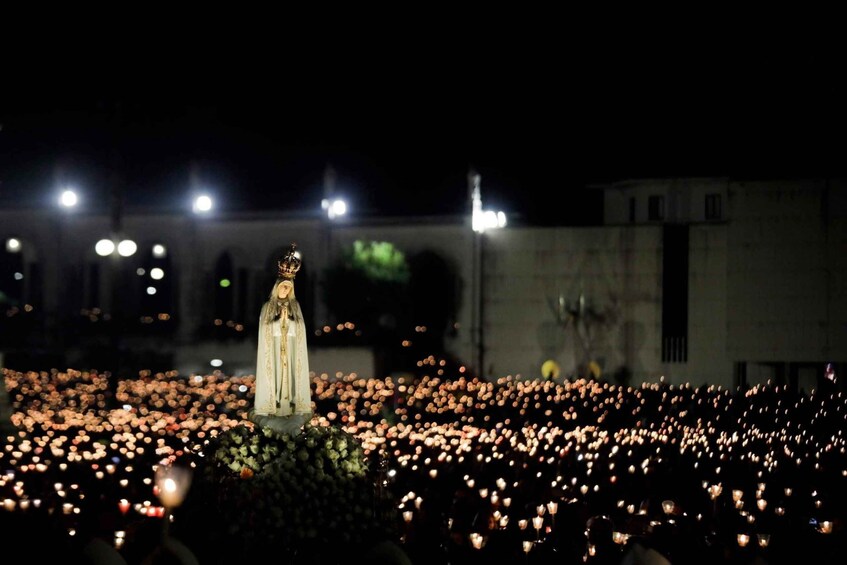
[{"x": 403, "y": 116}]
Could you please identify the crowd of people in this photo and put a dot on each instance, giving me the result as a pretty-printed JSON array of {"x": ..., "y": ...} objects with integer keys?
[{"x": 515, "y": 470}]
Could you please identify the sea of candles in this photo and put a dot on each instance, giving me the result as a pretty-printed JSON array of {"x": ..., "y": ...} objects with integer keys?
[{"x": 530, "y": 447}]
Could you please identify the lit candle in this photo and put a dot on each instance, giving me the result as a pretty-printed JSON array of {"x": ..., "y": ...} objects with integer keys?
[
  {"x": 764, "y": 539},
  {"x": 826, "y": 527},
  {"x": 743, "y": 540},
  {"x": 537, "y": 522},
  {"x": 124, "y": 505},
  {"x": 172, "y": 483}
]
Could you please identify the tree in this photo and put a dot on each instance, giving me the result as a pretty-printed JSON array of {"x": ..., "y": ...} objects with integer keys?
[{"x": 368, "y": 286}]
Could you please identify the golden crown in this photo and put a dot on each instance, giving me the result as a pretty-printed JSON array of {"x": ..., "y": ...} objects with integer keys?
[{"x": 288, "y": 266}]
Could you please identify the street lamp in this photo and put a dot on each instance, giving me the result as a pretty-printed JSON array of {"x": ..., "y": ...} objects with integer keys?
[
  {"x": 127, "y": 248},
  {"x": 104, "y": 247},
  {"x": 192, "y": 309},
  {"x": 334, "y": 208},
  {"x": 67, "y": 201},
  {"x": 203, "y": 204},
  {"x": 124, "y": 247},
  {"x": 481, "y": 220},
  {"x": 68, "y": 198}
]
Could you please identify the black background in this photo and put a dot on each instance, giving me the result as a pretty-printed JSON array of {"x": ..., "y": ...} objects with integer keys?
[{"x": 404, "y": 106}]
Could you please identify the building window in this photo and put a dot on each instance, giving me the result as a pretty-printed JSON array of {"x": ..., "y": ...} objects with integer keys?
[
  {"x": 656, "y": 208},
  {"x": 713, "y": 207},
  {"x": 632, "y": 210}
]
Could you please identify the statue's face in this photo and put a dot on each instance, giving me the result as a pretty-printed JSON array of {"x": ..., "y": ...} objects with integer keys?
[{"x": 284, "y": 290}]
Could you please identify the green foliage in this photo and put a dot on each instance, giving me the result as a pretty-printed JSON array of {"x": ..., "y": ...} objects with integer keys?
[
  {"x": 274, "y": 494},
  {"x": 328, "y": 450},
  {"x": 369, "y": 286},
  {"x": 378, "y": 261}
]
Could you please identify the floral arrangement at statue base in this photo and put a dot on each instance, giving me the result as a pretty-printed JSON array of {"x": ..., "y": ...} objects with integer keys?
[{"x": 273, "y": 493}]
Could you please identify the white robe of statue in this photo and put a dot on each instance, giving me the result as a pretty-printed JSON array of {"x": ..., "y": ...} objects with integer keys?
[{"x": 282, "y": 365}]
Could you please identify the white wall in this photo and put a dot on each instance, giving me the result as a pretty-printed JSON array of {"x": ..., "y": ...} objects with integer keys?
[
  {"x": 777, "y": 282},
  {"x": 617, "y": 269}
]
